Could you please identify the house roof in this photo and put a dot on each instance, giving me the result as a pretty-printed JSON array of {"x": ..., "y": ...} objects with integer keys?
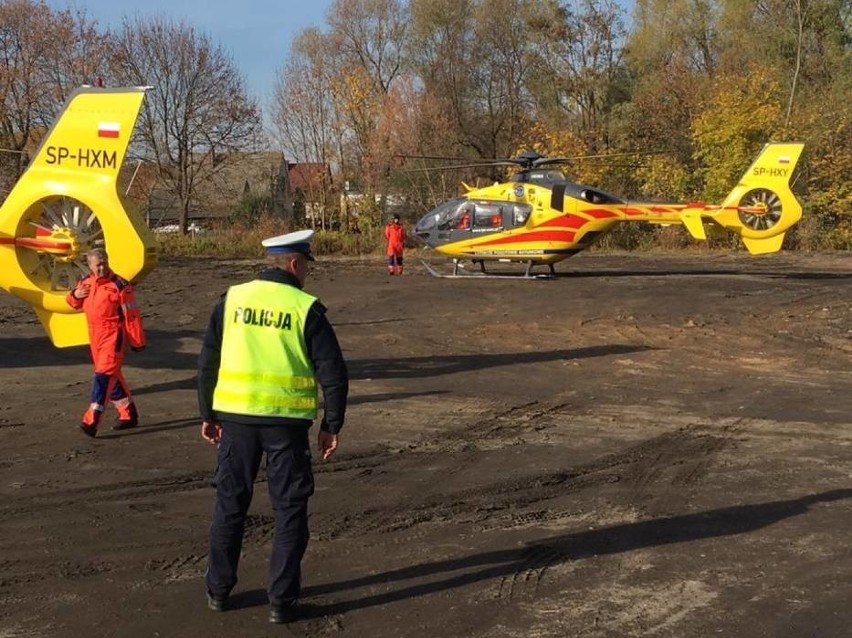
[
  {"x": 236, "y": 176},
  {"x": 308, "y": 176}
]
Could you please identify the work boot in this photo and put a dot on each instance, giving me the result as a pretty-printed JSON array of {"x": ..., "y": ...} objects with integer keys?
[
  {"x": 287, "y": 613},
  {"x": 129, "y": 420},
  {"x": 89, "y": 430},
  {"x": 91, "y": 419},
  {"x": 216, "y": 604}
]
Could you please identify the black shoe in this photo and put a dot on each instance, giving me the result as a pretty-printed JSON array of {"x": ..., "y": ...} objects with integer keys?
[
  {"x": 287, "y": 613},
  {"x": 89, "y": 430},
  {"x": 125, "y": 424},
  {"x": 216, "y": 604}
]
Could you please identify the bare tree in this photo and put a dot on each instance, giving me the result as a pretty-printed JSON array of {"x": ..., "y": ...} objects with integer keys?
[
  {"x": 504, "y": 67},
  {"x": 474, "y": 56},
  {"x": 366, "y": 41},
  {"x": 81, "y": 54},
  {"x": 303, "y": 112},
  {"x": 579, "y": 55},
  {"x": 198, "y": 117},
  {"x": 372, "y": 34},
  {"x": 443, "y": 52}
]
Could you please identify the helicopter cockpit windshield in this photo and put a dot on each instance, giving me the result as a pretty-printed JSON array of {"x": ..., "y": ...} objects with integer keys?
[{"x": 440, "y": 217}]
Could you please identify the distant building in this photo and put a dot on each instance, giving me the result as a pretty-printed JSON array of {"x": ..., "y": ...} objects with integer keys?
[
  {"x": 310, "y": 186},
  {"x": 300, "y": 192}
]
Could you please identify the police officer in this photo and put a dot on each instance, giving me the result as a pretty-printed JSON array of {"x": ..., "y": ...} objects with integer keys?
[{"x": 267, "y": 346}]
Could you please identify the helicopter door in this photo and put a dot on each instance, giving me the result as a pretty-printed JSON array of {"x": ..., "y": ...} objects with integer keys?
[
  {"x": 463, "y": 219},
  {"x": 487, "y": 217}
]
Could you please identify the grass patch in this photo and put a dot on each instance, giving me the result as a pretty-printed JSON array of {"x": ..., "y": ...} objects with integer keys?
[{"x": 242, "y": 240}]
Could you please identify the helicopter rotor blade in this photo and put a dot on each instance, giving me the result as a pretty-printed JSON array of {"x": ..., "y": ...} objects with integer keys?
[
  {"x": 443, "y": 158},
  {"x": 454, "y": 166},
  {"x": 526, "y": 161},
  {"x": 626, "y": 154},
  {"x": 543, "y": 161}
]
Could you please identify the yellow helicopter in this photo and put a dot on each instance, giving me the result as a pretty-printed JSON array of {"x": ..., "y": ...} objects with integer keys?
[
  {"x": 66, "y": 203},
  {"x": 539, "y": 217}
]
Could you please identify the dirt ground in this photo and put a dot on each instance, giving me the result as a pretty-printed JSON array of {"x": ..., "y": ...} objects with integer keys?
[{"x": 647, "y": 445}]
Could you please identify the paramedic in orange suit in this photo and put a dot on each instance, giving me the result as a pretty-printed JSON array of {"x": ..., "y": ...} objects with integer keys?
[
  {"x": 395, "y": 234},
  {"x": 114, "y": 323}
]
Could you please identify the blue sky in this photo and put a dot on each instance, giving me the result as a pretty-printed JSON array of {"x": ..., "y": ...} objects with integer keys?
[{"x": 257, "y": 33}]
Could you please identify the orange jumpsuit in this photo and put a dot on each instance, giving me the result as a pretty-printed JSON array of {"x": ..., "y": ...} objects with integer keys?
[
  {"x": 395, "y": 234},
  {"x": 114, "y": 322}
]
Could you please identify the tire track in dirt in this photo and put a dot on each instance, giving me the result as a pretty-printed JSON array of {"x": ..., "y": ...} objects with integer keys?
[
  {"x": 680, "y": 457},
  {"x": 28, "y": 571},
  {"x": 108, "y": 492},
  {"x": 183, "y": 567},
  {"x": 676, "y": 458},
  {"x": 688, "y": 450},
  {"x": 527, "y": 574},
  {"x": 501, "y": 425}
]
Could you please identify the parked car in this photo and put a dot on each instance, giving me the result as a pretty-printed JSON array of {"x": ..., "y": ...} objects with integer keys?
[{"x": 192, "y": 229}]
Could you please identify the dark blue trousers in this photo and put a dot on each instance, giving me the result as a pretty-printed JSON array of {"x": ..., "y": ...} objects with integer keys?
[{"x": 290, "y": 482}]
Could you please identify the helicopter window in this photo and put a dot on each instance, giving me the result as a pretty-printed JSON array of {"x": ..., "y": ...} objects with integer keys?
[
  {"x": 520, "y": 213},
  {"x": 487, "y": 215},
  {"x": 463, "y": 220},
  {"x": 477, "y": 216},
  {"x": 598, "y": 197},
  {"x": 590, "y": 196}
]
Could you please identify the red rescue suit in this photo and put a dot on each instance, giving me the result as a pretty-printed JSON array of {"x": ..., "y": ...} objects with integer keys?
[
  {"x": 114, "y": 322},
  {"x": 395, "y": 234}
]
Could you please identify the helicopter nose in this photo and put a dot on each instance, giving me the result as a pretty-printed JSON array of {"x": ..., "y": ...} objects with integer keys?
[{"x": 426, "y": 224}]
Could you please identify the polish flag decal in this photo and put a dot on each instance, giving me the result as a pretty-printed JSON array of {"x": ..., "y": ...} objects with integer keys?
[
  {"x": 783, "y": 160},
  {"x": 108, "y": 129}
]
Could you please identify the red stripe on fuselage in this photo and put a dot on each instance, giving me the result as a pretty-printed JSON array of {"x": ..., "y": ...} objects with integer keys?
[
  {"x": 657, "y": 210},
  {"x": 599, "y": 213},
  {"x": 563, "y": 236},
  {"x": 571, "y": 221}
]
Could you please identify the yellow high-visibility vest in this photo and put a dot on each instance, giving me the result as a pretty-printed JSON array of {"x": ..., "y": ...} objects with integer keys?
[{"x": 264, "y": 368}]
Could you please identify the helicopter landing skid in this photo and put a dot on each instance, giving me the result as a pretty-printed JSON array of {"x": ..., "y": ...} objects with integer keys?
[{"x": 459, "y": 272}]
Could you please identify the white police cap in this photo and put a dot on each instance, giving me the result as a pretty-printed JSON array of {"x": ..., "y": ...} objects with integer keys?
[{"x": 298, "y": 242}]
